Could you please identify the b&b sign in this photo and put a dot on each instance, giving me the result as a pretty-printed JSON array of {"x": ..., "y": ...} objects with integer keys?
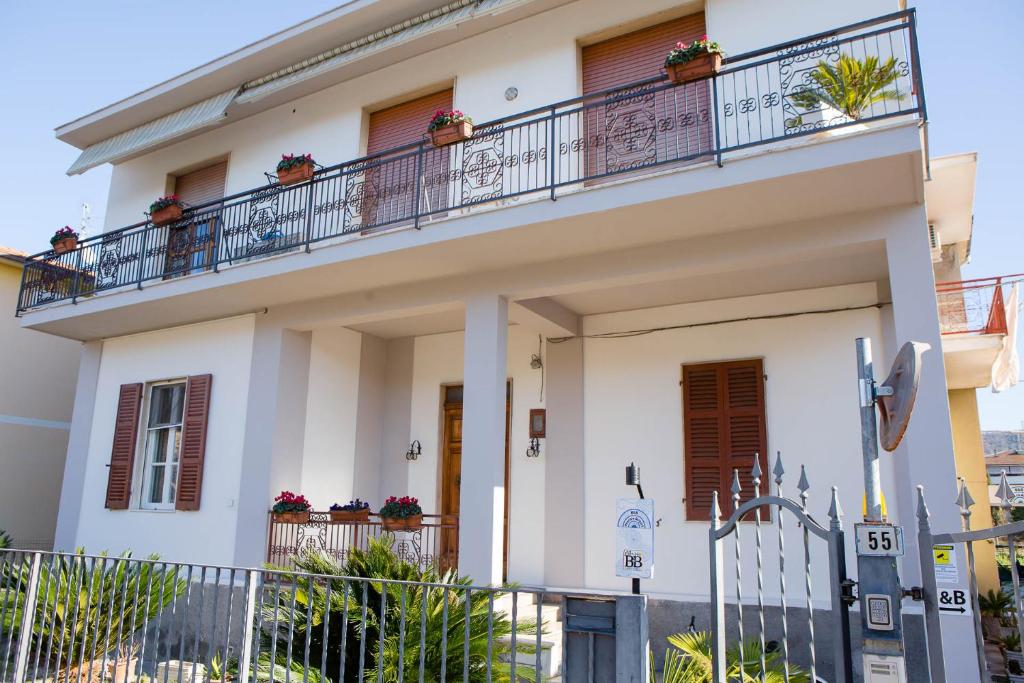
[{"x": 634, "y": 538}]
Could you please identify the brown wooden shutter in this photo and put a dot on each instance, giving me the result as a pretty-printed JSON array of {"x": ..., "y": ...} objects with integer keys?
[
  {"x": 122, "y": 453},
  {"x": 723, "y": 428},
  {"x": 638, "y": 55},
  {"x": 193, "y": 442},
  {"x": 202, "y": 185}
]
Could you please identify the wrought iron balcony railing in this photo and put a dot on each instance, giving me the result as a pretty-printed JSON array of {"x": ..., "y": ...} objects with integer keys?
[
  {"x": 572, "y": 145},
  {"x": 972, "y": 306}
]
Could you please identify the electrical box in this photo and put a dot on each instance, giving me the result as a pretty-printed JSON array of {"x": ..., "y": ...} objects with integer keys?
[{"x": 883, "y": 669}]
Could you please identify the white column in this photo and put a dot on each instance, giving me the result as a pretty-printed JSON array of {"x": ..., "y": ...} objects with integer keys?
[
  {"x": 275, "y": 422},
  {"x": 482, "y": 502},
  {"x": 70, "y": 509},
  {"x": 926, "y": 455}
]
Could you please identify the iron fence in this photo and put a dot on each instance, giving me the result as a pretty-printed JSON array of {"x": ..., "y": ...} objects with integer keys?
[
  {"x": 100, "y": 619},
  {"x": 564, "y": 147},
  {"x": 434, "y": 544},
  {"x": 972, "y": 306}
]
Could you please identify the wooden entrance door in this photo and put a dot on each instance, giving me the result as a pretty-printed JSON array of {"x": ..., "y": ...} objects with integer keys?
[{"x": 451, "y": 472}]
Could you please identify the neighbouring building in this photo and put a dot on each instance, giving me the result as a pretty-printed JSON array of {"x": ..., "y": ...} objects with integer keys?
[
  {"x": 37, "y": 373},
  {"x": 675, "y": 274},
  {"x": 996, "y": 441}
]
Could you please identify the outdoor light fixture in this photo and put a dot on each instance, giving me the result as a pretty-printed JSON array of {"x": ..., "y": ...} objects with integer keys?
[
  {"x": 633, "y": 478},
  {"x": 415, "y": 450},
  {"x": 534, "y": 450}
]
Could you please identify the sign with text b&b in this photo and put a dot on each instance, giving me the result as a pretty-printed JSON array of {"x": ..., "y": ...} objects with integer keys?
[{"x": 634, "y": 538}]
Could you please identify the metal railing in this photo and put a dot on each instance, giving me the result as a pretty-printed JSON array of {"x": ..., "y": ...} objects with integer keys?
[
  {"x": 564, "y": 147},
  {"x": 76, "y": 618},
  {"x": 972, "y": 306},
  {"x": 434, "y": 544}
]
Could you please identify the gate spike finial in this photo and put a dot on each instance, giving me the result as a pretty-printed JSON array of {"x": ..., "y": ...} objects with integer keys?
[
  {"x": 963, "y": 498},
  {"x": 778, "y": 470},
  {"x": 1004, "y": 492},
  {"x": 835, "y": 510},
  {"x": 716, "y": 511},
  {"x": 736, "y": 488},
  {"x": 922, "y": 507}
]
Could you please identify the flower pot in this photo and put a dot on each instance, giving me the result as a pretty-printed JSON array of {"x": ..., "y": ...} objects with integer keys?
[
  {"x": 350, "y": 515},
  {"x": 410, "y": 523},
  {"x": 453, "y": 132},
  {"x": 299, "y": 173},
  {"x": 292, "y": 517},
  {"x": 699, "y": 67},
  {"x": 168, "y": 214},
  {"x": 1015, "y": 656},
  {"x": 124, "y": 671},
  {"x": 65, "y": 245}
]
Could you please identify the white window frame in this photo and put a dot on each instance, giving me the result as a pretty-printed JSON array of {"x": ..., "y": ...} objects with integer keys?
[{"x": 144, "y": 468}]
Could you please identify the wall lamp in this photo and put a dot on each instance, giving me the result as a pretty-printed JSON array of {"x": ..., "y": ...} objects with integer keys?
[{"x": 415, "y": 450}]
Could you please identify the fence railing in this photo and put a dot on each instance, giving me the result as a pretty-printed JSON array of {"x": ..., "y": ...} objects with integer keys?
[
  {"x": 563, "y": 147},
  {"x": 972, "y": 306},
  {"x": 95, "y": 619},
  {"x": 435, "y": 544}
]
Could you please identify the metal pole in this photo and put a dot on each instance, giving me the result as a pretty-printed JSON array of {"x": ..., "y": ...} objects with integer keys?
[
  {"x": 868, "y": 431},
  {"x": 27, "y": 619}
]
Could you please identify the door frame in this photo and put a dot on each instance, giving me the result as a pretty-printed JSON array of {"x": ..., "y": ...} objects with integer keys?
[{"x": 445, "y": 405}]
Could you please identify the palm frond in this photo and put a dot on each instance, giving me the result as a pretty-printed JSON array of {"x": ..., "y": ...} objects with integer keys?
[{"x": 851, "y": 86}]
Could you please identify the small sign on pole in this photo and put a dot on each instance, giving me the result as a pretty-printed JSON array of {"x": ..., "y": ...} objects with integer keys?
[
  {"x": 634, "y": 538},
  {"x": 946, "y": 569}
]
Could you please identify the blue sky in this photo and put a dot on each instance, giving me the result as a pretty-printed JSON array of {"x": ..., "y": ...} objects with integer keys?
[{"x": 68, "y": 58}]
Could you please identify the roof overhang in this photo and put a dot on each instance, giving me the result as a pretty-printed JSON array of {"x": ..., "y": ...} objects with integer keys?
[
  {"x": 949, "y": 197},
  {"x": 374, "y": 34}
]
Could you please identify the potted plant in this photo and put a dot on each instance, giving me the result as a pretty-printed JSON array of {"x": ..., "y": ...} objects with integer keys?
[
  {"x": 291, "y": 508},
  {"x": 127, "y": 663},
  {"x": 353, "y": 511},
  {"x": 166, "y": 210},
  {"x": 401, "y": 514},
  {"x": 449, "y": 126},
  {"x": 994, "y": 606},
  {"x": 219, "y": 671},
  {"x": 64, "y": 240},
  {"x": 1010, "y": 645},
  {"x": 699, "y": 59},
  {"x": 295, "y": 169},
  {"x": 849, "y": 88}
]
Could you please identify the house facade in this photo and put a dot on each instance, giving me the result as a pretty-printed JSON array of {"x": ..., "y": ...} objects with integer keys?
[{"x": 613, "y": 269}]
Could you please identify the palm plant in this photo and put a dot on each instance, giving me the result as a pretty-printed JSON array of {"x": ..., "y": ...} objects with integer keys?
[
  {"x": 851, "y": 86},
  {"x": 370, "y": 615},
  {"x": 689, "y": 661},
  {"x": 5, "y": 540},
  {"x": 995, "y": 603},
  {"x": 87, "y": 607}
]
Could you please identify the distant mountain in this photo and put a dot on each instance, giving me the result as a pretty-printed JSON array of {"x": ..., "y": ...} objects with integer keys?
[{"x": 999, "y": 441}]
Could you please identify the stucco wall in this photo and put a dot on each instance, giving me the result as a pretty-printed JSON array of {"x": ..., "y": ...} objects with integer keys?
[
  {"x": 37, "y": 372},
  {"x": 633, "y": 412},
  {"x": 538, "y": 55},
  {"x": 222, "y": 348}
]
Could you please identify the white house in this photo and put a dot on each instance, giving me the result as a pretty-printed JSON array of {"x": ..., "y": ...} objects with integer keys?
[{"x": 676, "y": 274}]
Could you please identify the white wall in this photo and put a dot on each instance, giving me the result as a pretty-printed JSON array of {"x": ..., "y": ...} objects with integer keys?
[
  {"x": 538, "y": 55},
  {"x": 223, "y": 349},
  {"x": 438, "y": 360},
  {"x": 633, "y": 412}
]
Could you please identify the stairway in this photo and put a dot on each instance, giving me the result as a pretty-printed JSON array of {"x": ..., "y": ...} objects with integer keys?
[{"x": 551, "y": 637}]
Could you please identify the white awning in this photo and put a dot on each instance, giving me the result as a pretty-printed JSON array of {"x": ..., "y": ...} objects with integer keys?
[{"x": 203, "y": 114}]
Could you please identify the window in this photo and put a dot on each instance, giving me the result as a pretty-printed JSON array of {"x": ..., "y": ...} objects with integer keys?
[
  {"x": 723, "y": 430},
  {"x": 162, "y": 444}
]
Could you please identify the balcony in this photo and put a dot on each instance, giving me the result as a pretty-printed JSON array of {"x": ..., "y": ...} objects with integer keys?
[
  {"x": 972, "y": 319},
  {"x": 637, "y": 130}
]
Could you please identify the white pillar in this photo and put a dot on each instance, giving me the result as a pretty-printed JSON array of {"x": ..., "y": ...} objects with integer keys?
[
  {"x": 275, "y": 423},
  {"x": 70, "y": 509},
  {"x": 482, "y": 502},
  {"x": 926, "y": 455}
]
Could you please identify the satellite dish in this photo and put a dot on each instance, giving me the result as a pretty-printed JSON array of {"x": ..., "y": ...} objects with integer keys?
[{"x": 895, "y": 396}]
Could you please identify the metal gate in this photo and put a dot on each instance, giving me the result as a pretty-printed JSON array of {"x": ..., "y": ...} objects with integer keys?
[
  {"x": 1007, "y": 535},
  {"x": 756, "y": 514}
]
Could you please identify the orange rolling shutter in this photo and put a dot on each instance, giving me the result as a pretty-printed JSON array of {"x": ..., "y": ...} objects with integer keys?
[
  {"x": 202, "y": 185},
  {"x": 404, "y": 123}
]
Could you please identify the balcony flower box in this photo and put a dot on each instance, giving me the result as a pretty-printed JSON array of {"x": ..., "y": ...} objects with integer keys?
[
  {"x": 401, "y": 514},
  {"x": 354, "y": 511},
  {"x": 291, "y": 508},
  {"x": 166, "y": 210},
  {"x": 64, "y": 240},
  {"x": 700, "y": 59},
  {"x": 447, "y": 128},
  {"x": 295, "y": 169}
]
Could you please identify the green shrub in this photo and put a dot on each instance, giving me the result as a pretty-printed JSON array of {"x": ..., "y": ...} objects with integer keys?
[{"x": 851, "y": 86}]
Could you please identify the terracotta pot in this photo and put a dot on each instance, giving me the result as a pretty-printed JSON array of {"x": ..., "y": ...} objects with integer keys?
[
  {"x": 350, "y": 515},
  {"x": 697, "y": 68},
  {"x": 453, "y": 132},
  {"x": 65, "y": 245},
  {"x": 124, "y": 670},
  {"x": 410, "y": 523},
  {"x": 168, "y": 214},
  {"x": 292, "y": 517},
  {"x": 296, "y": 174}
]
